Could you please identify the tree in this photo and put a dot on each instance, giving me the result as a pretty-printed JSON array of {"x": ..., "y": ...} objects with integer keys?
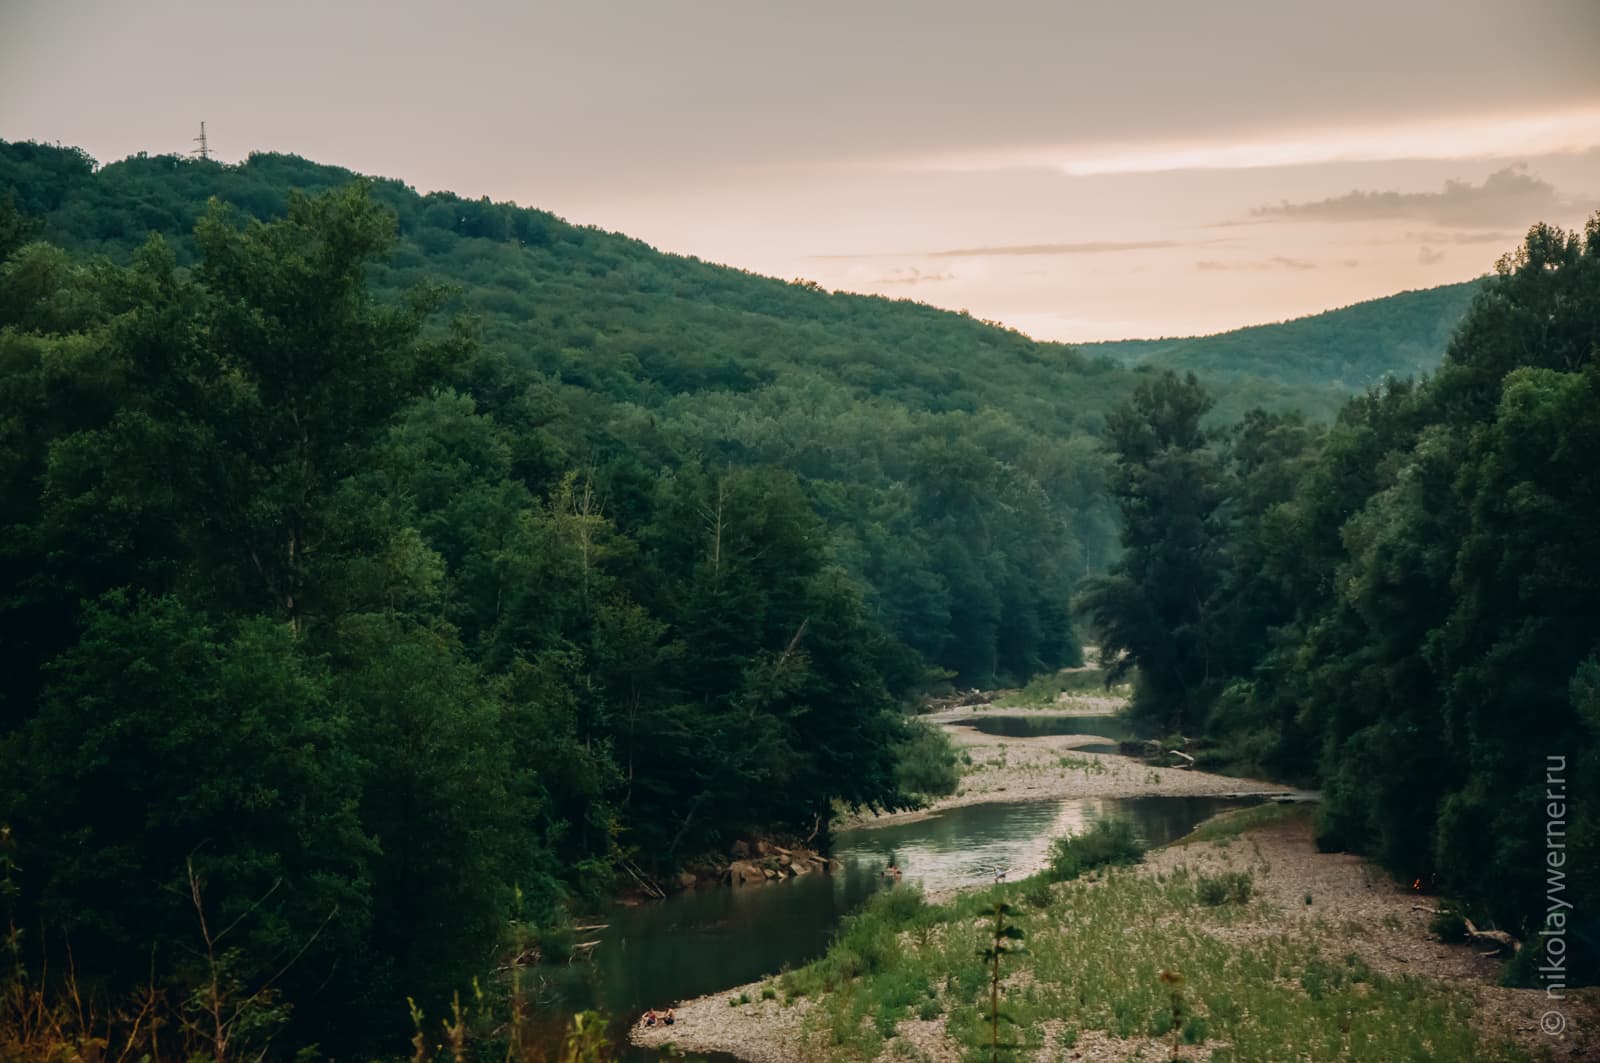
[
  {"x": 310, "y": 368},
  {"x": 1149, "y": 611},
  {"x": 165, "y": 741}
]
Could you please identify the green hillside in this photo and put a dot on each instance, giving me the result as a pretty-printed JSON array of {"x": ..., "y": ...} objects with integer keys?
[
  {"x": 1315, "y": 362},
  {"x": 940, "y": 450}
]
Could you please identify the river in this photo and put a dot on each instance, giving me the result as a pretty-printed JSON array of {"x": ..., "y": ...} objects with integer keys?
[{"x": 702, "y": 940}]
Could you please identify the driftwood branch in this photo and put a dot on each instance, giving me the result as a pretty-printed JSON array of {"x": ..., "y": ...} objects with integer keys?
[{"x": 1498, "y": 938}]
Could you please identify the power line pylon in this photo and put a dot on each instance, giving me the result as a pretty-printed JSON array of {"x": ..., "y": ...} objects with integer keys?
[{"x": 204, "y": 150}]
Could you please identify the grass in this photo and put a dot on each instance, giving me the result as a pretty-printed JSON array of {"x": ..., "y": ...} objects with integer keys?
[
  {"x": 1087, "y": 765},
  {"x": 1098, "y": 948},
  {"x": 1229, "y": 825},
  {"x": 1044, "y": 691}
]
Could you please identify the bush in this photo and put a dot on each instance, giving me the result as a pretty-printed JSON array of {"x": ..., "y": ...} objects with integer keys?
[
  {"x": 1231, "y": 887},
  {"x": 1108, "y": 842},
  {"x": 1449, "y": 925},
  {"x": 925, "y": 763}
]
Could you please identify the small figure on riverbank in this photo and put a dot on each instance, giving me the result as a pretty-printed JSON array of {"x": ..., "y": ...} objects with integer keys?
[
  {"x": 667, "y": 1019},
  {"x": 892, "y": 872},
  {"x": 650, "y": 1017}
]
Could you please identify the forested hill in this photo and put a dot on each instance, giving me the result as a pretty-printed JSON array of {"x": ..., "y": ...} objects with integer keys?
[
  {"x": 404, "y": 569},
  {"x": 1316, "y": 362},
  {"x": 909, "y": 422}
]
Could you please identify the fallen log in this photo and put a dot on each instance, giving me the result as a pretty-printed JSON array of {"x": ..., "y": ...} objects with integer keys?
[{"x": 1499, "y": 938}]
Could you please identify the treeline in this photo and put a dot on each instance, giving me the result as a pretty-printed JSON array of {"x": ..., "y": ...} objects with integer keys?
[{"x": 1401, "y": 607}]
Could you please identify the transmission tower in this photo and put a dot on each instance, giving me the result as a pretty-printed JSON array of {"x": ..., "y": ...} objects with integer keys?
[{"x": 204, "y": 150}]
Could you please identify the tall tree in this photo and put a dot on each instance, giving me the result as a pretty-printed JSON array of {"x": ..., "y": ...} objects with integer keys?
[{"x": 1149, "y": 612}]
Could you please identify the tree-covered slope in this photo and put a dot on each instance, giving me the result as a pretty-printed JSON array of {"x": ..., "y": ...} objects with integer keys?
[
  {"x": 941, "y": 450},
  {"x": 379, "y": 571},
  {"x": 1315, "y": 362}
]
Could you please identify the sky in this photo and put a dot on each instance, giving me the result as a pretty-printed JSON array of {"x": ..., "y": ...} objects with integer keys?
[{"x": 1077, "y": 169}]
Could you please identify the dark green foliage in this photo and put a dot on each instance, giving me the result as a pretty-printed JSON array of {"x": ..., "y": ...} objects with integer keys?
[
  {"x": 164, "y": 741},
  {"x": 953, "y": 463},
  {"x": 1449, "y": 925},
  {"x": 302, "y": 590},
  {"x": 1109, "y": 843},
  {"x": 925, "y": 762},
  {"x": 1149, "y": 611},
  {"x": 1405, "y": 607}
]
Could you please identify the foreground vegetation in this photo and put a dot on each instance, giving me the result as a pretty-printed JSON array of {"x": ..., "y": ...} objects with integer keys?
[{"x": 1158, "y": 961}]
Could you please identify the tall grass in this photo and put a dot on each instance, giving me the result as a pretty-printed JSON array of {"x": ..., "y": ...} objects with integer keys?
[
  {"x": 1044, "y": 691},
  {"x": 1097, "y": 951}
]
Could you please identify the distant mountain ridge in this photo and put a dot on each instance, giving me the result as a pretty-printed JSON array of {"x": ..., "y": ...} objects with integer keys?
[
  {"x": 610, "y": 283},
  {"x": 1315, "y": 362}
]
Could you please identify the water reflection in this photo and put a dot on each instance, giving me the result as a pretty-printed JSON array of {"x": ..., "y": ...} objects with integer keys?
[
  {"x": 963, "y": 846},
  {"x": 1035, "y": 726}
]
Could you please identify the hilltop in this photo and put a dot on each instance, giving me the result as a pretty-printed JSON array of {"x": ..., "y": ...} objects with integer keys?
[{"x": 1314, "y": 362}]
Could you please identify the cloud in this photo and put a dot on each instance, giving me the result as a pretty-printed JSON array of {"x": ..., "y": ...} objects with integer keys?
[
  {"x": 1507, "y": 197},
  {"x": 1471, "y": 237},
  {"x": 1427, "y": 256},
  {"x": 912, "y": 275},
  {"x": 1256, "y": 265},
  {"x": 1096, "y": 247},
  {"x": 1475, "y": 136}
]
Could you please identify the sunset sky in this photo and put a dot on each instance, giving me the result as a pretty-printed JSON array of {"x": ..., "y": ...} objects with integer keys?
[{"x": 1079, "y": 170}]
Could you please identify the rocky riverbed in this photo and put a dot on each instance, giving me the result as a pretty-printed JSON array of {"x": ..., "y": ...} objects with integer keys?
[{"x": 1055, "y": 766}]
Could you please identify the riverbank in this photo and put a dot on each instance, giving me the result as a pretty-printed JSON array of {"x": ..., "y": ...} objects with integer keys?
[
  {"x": 997, "y": 768},
  {"x": 1285, "y": 952}
]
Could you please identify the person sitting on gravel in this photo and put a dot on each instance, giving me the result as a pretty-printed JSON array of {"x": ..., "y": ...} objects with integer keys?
[
  {"x": 650, "y": 1017},
  {"x": 667, "y": 1019}
]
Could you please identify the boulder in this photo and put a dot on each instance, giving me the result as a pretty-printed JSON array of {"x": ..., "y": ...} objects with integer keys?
[{"x": 744, "y": 872}]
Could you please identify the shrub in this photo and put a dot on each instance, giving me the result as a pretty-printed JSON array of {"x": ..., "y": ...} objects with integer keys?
[
  {"x": 1230, "y": 887},
  {"x": 1108, "y": 842},
  {"x": 925, "y": 763},
  {"x": 1449, "y": 925}
]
